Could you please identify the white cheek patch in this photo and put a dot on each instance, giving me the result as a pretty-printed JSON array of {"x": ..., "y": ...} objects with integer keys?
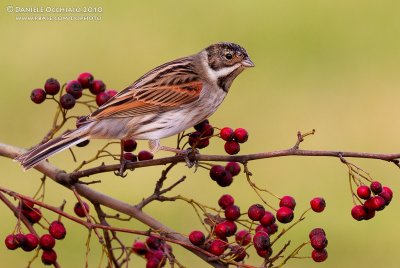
[{"x": 214, "y": 75}]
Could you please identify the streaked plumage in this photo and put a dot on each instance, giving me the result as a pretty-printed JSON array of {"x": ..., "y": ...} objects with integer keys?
[{"x": 165, "y": 101}]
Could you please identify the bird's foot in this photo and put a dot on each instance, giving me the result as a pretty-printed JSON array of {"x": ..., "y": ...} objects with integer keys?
[
  {"x": 190, "y": 157},
  {"x": 122, "y": 168}
]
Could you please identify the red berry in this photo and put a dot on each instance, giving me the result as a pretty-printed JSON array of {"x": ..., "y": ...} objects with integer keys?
[
  {"x": 221, "y": 231},
  {"x": 158, "y": 254},
  {"x": 196, "y": 140},
  {"x": 316, "y": 231},
  {"x": 153, "y": 263},
  {"x": 130, "y": 157},
  {"x": 52, "y": 86},
  {"x": 67, "y": 101},
  {"x": 217, "y": 172},
  {"x": 145, "y": 155},
  {"x": 226, "y": 180},
  {"x": 364, "y": 192},
  {"x": 319, "y": 241},
  {"x": 370, "y": 214},
  {"x": 47, "y": 241},
  {"x": 319, "y": 255},
  {"x": 232, "y": 213},
  {"x": 284, "y": 215},
  {"x": 38, "y": 95},
  {"x": 102, "y": 98},
  {"x": 272, "y": 229},
  {"x": 31, "y": 242},
  {"x": 232, "y": 147},
  {"x": 226, "y": 201},
  {"x": 207, "y": 131},
  {"x": 33, "y": 215},
  {"x": 243, "y": 237},
  {"x": 233, "y": 168},
  {"x": 232, "y": 228},
  {"x": 376, "y": 187},
  {"x": 129, "y": 145},
  {"x": 267, "y": 219},
  {"x": 241, "y": 135},
  {"x": 217, "y": 247},
  {"x": 358, "y": 212},
  {"x": 111, "y": 93},
  {"x": 97, "y": 86},
  {"x": 264, "y": 253},
  {"x": 226, "y": 134},
  {"x": 256, "y": 212},
  {"x": 378, "y": 203},
  {"x": 154, "y": 253},
  {"x": 74, "y": 88},
  {"x": 79, "y": 211},
  {"x": 239, "y": 252},
  {"x": 139, "y": 248},
  {"x": 261, "y": 228},
  {"x": 11, "y": 242},
  {"x": 225, "y": 229},
  {"x": 261, "y": 241},
  {"x": 85, "y": 79},
  {"x": 368, "y": 204},
  {"x": 49, "y": 257},
  {"x": 288, "y": 201},
  {"x": 387, "y": 194},
  {"x": 201, "y": 126},
  {"x": 318, "y": 204},
  {"x": 26, "y": 204},
  {"x": 57, "y": 230},
  {"x": 197, "y": 238},
  {"x": 20, "y": 239},
  {"x": 153, "y": 242}
]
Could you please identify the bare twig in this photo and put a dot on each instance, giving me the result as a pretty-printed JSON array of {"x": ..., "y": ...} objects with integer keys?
[{"x": 18, "y": 214}]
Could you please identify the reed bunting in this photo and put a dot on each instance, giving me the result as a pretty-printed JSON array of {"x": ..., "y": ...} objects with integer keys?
[{"x": 165, "y": 101}]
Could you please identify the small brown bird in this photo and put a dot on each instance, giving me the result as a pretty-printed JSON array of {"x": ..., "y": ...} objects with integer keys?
[{"x": 165, "y": 101}]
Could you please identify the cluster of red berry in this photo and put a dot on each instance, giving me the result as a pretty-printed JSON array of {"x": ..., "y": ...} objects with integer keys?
[
  {"x": 29, "y": 242},
  {"x": 129, "y": 146},
  {"x": 381, "y": 197},
  {"x": 224, "y": 175},
  {"x": 232, "y": 139},
  {"x": 258, "y": 234},
  {"x": 201, "y": 137},
  {"x": 204, "y": 131},
  {"x": 318, "y": 242},
  {"x": 217, "y": 242},
  {"x": 154, "y": 250},
  {"x": 73, "y": 91}
]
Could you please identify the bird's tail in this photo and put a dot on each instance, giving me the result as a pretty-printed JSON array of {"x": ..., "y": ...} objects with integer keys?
[{"x": 32, "y": 157}]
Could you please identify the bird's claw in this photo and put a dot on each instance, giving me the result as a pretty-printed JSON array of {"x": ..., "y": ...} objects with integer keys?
[
  {"x": 190, "y": 157},
  {"x": 122, "y": 169}
]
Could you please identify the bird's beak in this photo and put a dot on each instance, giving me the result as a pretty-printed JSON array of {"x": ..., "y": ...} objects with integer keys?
[{"x": 247, "y": 62}]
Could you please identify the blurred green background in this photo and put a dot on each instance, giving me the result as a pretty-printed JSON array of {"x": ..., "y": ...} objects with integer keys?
[{"x": 329, "y": 65}]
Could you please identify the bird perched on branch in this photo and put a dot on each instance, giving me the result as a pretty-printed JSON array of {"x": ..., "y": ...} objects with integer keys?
[{"x": 165, "y": 101}]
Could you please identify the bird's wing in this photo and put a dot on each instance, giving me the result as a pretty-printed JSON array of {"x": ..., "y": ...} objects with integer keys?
[{"x": 166, "y": 87}]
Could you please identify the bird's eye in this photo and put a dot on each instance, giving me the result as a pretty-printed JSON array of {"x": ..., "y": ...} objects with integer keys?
[{"x": 228, "y": 56}]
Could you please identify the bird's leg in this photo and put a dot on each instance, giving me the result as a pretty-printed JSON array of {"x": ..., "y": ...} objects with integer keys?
[
  {"x": 155, "y": 146},
  {"x": 122, "y": 161}
]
